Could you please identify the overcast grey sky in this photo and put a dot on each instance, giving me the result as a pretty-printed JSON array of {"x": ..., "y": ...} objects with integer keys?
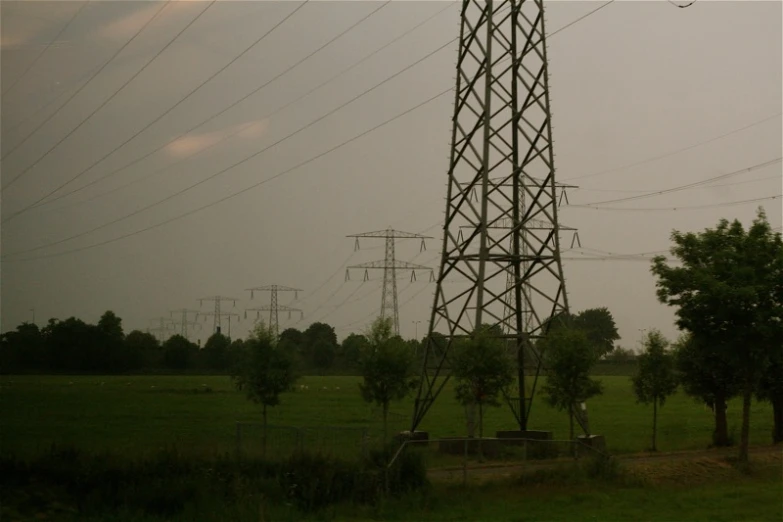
[{"x": 632, "y": 82}]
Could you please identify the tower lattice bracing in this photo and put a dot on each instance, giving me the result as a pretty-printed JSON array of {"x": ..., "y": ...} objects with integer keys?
[{"x": 501, "y": 251}]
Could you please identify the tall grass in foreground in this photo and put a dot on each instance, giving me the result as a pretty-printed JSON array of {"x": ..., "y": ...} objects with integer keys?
[{"x": 66, "y": 482}]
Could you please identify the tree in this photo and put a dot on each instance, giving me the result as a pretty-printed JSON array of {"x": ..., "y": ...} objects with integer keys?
[
  {"x": 318, "y": 336},
  {"x": 481, "y": 369},
  {"x": 293, "y": 337},
  {"x": 655, "y": 379},
  {"x": 23, "y": 348},
  {"x": 353, "y": 346},
  {"x": 600, "y": 328},
  {"x": 178, "y": 352},
  {"x": 323, "y": 353},
  {"x": 707, "y": 375},
  {"x": 597, "y": 324},
  {"x": 266, "y": 371},
  {"x": 569, "y": 357},
  {"x": 771, "y": 389},
  {"x": 144, "y": 348},
  {"x": 215, "y": 352},
  {"x": 386, "y": 367},
  {"x": 111, "y": 326},
  {"x": 729, "y": 292}
]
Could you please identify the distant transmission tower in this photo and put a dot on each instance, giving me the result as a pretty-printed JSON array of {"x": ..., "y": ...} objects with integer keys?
[
  {"x": 162, "y": 329},
  {"x": 184, "y": 322},
  {"x": 274, "y": 308},
  {"x": 390, "y": 266},
  {"x": 217, "y": 314},
  {"x": 501, "y": 203}
]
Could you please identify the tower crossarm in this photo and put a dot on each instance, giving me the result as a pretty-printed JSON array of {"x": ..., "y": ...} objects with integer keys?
[
  {"x": 390, "y": 233},
  {"x": 397, "y": 265}
]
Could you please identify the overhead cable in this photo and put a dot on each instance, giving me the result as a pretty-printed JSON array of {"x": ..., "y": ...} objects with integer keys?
[
  {"x": 688, "y": 185},
  {"x": 46, "y": 48},
  {"x": 247, "y": 158},
  {"x": 243, "y": 127},
  {"x": 75, "y": 93}
]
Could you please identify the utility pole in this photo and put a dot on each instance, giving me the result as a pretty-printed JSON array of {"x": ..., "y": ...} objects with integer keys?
[
  {"x": 217, "y": 313},
  {"x": 501, "y": 201},
  {"x": 274, "y": 308},
  {"x": 390, "y": 266},
  {"x": 417, "y": 329},
  {"x": 163, "y": 328},
  {"x": 184, "y": 322},
  {"x": 33, "y": 311}
]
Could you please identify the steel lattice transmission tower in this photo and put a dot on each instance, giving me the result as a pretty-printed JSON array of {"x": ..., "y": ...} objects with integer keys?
[
  {"x": 163, "y": 328},
  {"x": 184, "y": 322},
  {"x": 390, "y": 266},
  {"x": 274, "y": 308},
  {"x": 501, "y": 214},
  {"x": 217, "y": 314}
]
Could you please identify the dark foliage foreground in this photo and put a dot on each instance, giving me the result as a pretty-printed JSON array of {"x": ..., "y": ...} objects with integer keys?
[{"x": 66, "y": 482}]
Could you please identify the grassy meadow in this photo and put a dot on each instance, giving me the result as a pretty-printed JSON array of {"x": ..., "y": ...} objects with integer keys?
[{"x": 135, "y": 415}]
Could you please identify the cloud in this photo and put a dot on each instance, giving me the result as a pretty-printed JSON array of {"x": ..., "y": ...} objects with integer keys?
[{"x": 193, "y": 143}]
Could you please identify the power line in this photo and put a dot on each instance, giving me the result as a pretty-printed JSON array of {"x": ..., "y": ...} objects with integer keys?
[
  {"x": 247, "y": 158},
  {"x": 674, "y": 152},
  {"x": 314, "y": 158},
  {"x": 46, "y": 48},
  {"x": 777, "y": 176},
  {"x": 35, "y": 204},
  {"x": 687, "y": 207},
  {"x": 102, "y": 105},
  {"x": 581, "y": 18},
  {"x": 688, "y": 185},
  {"x": 72, "y": 96},
  {"x": 242, "y": 191},
  {"x": 167, "y": 111},
  {"x": 242, "y": 128}
]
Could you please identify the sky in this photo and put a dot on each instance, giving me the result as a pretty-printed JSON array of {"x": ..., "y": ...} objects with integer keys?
[{"x": 645, "y": 97}]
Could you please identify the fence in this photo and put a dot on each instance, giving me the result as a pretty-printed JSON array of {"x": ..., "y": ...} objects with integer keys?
[
  {"x": 280, "y": 442},
  {"x": 456, "y": 459}
]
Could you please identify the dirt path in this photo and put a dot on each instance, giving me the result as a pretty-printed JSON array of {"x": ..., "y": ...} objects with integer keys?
[{"x": 631, "y": 460}]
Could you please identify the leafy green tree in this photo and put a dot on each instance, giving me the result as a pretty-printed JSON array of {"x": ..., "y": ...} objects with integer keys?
[
  {"x": 145, "y": 348},
  {"x": 323, "y": 355},
  {"x": 771, "y": 389},
  {"x": 655, "y": 379},
  {"x": 178, "y": 353},
  {"x": 597, "y": 324},
  {"x": 111, "y": 326},
  {"x": 353, "y": 346},
  {"x": 569, "y": 357},
  {"x": 266, "y": 371},
  {"x": 318, "y": 336},
  {"x": 387, "y": 367},
  {"x": 293, "y": 337},
  {"x": 481, "y": 369},
  {"x": 729, "y": 291},
  {"x": 215, "y": 352},
  {"x": 707, "y": 374},
  {"x": 23, "y": 349}
]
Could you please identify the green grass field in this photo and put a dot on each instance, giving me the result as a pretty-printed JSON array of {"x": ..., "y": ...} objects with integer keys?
[{"x": 134, "y": 415}]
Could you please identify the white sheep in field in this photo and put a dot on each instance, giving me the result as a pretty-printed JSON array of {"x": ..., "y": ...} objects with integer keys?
[
  {"x": 336, "y": 387},
  {"x": 325, "y": 388}
]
